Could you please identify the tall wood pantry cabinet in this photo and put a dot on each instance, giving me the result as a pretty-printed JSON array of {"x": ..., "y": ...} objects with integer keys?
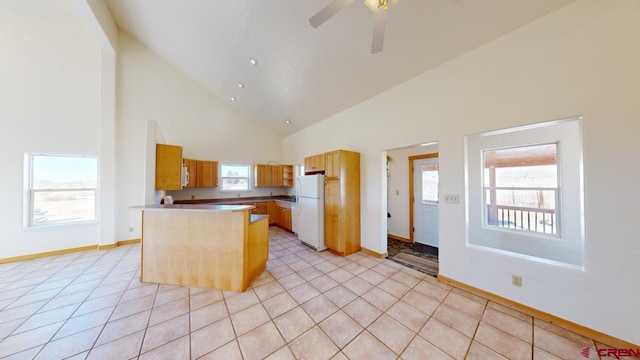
[{"x": 342, "y": 201}]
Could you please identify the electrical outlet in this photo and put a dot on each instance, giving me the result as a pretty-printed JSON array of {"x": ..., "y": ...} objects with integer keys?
[
  {"x": 452, "y": 199},
  {"x": 131, "y": 229},
  {"x": 397, "y": 192},
  {"x": 193, "y": 197},
  {"x": 516, "y": 280}
]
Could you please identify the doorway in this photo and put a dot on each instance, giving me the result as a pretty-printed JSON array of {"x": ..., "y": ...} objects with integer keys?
[
  {"x": 401, "y": 246},
  {"x": 424, "y": 212}
]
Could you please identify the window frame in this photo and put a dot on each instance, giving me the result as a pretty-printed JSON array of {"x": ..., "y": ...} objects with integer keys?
[
  {"x": 565, "y": 249},
  {"x": 556, "y": 190},
  {"x": 31, "y": 191},
  {"x": 437, "y": 171},
  {"x": 248, "y": 178}
]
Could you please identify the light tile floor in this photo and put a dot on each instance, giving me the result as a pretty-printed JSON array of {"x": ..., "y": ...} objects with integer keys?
[{"x": 307, "y": 305}]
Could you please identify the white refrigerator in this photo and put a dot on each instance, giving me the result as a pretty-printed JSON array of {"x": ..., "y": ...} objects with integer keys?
[{"x": 311, "y": 211}]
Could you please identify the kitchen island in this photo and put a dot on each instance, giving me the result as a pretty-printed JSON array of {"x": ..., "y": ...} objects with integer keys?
[{"x": 221, "y": 247}]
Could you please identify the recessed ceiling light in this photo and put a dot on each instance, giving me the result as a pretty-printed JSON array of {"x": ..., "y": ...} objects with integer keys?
[
  {"x": 232, "y": 98},
  {"x": 287, "y": 121},
  {"x": 240, "y": 85},
  {"x": 253, "y": 61}
]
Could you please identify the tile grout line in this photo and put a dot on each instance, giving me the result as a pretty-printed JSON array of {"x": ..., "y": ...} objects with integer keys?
[
  {"x": 46, "y": 303},
  {"x": 293, "y": 255},
  {"x": 473, "y": 338},
  {"x": 360, "y": 297},
  {"x": 148, "y": 320},
  {"x": 114, "y": 308},
  {"x": 93, "y": 345}
]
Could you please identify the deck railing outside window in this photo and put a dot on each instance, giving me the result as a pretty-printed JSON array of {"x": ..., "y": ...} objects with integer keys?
[
  {"x": 521, "y": 188},
  {"x": 523, "y": 218}
]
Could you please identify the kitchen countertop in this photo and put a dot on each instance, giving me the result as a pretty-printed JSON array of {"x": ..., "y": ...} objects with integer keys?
[
  {"x": 231, "y": 201},
  {"x": 205, "y": 207}
]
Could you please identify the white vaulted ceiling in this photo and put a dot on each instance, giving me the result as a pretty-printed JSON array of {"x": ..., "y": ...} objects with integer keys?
[{"x": 306, "y": 74}]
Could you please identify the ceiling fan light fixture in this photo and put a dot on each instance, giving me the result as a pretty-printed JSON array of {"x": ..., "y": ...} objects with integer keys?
[{"x": 373, "y": 5}]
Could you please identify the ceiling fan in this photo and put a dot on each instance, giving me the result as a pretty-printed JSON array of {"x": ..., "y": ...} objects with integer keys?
[{"x": 379, "y": 7}]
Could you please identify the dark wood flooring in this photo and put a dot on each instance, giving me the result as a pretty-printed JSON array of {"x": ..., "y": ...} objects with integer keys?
[{"x": 395, "y": 247}]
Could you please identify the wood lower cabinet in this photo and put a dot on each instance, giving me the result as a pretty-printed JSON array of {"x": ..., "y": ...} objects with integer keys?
[
  {"x": 284, "y": 219},
  {"x": 279, "y": 212},
  {"x": 272, "y": 211},
  {"x": 260, "y": 208},
  {"x": 342, "y": 202},
  {"x": 202, "y": 173},
  {"x": 168, "y": 167}
]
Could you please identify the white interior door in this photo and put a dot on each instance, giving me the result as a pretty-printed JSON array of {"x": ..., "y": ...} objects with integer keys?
[{"x": 426, "y": 199}]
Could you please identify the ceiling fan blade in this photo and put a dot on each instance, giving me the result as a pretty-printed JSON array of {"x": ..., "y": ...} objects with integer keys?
[
  {"x": 326, "y": 13},
  {"x": 379, "y": 24}
]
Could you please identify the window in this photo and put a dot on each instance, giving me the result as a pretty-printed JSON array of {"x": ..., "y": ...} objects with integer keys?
[
  {"x": 62, "y": 189},
  {"x": 235, "y": 177},
  {"x": 521, "y": 188},
  {"x": 429, "y": 183},
  {"x": 525, "y": 192}
]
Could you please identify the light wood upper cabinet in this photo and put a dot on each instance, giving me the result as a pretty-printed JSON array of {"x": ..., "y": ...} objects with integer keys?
[
  {"x": 273, "y": 175},
  {"x": 202, "y": 173},
  {"x": 263, "y": 174},
  {"x": 314, "y": 164},
  {"x": 332, "y": 165},
  {"x": 168, "y": 167},
  {"x": 287, "y": 175},
  {"x": 192, "y": 169},
  {"x": 276, "y": 175},
  {"x": 206, "y": 174}
]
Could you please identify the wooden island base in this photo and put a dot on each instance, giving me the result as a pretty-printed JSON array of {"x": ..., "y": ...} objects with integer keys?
[{"x": 220, "y": 247}]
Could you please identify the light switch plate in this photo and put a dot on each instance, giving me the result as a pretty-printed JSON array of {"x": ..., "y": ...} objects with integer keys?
[{"x": 452, "y": 199}]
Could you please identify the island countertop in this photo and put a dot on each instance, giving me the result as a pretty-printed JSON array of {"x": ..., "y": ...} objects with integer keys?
[{"x": 195, "y": 207}]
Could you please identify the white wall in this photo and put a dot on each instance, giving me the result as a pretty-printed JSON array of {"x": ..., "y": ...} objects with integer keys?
[
  {"x": 398, "y": 188},
  {"x": 100, "y": 24},
  {"x": 50, "y": 91},
  {"x": 580, "y": 60},
  {"x": 185, "y": 113}
]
